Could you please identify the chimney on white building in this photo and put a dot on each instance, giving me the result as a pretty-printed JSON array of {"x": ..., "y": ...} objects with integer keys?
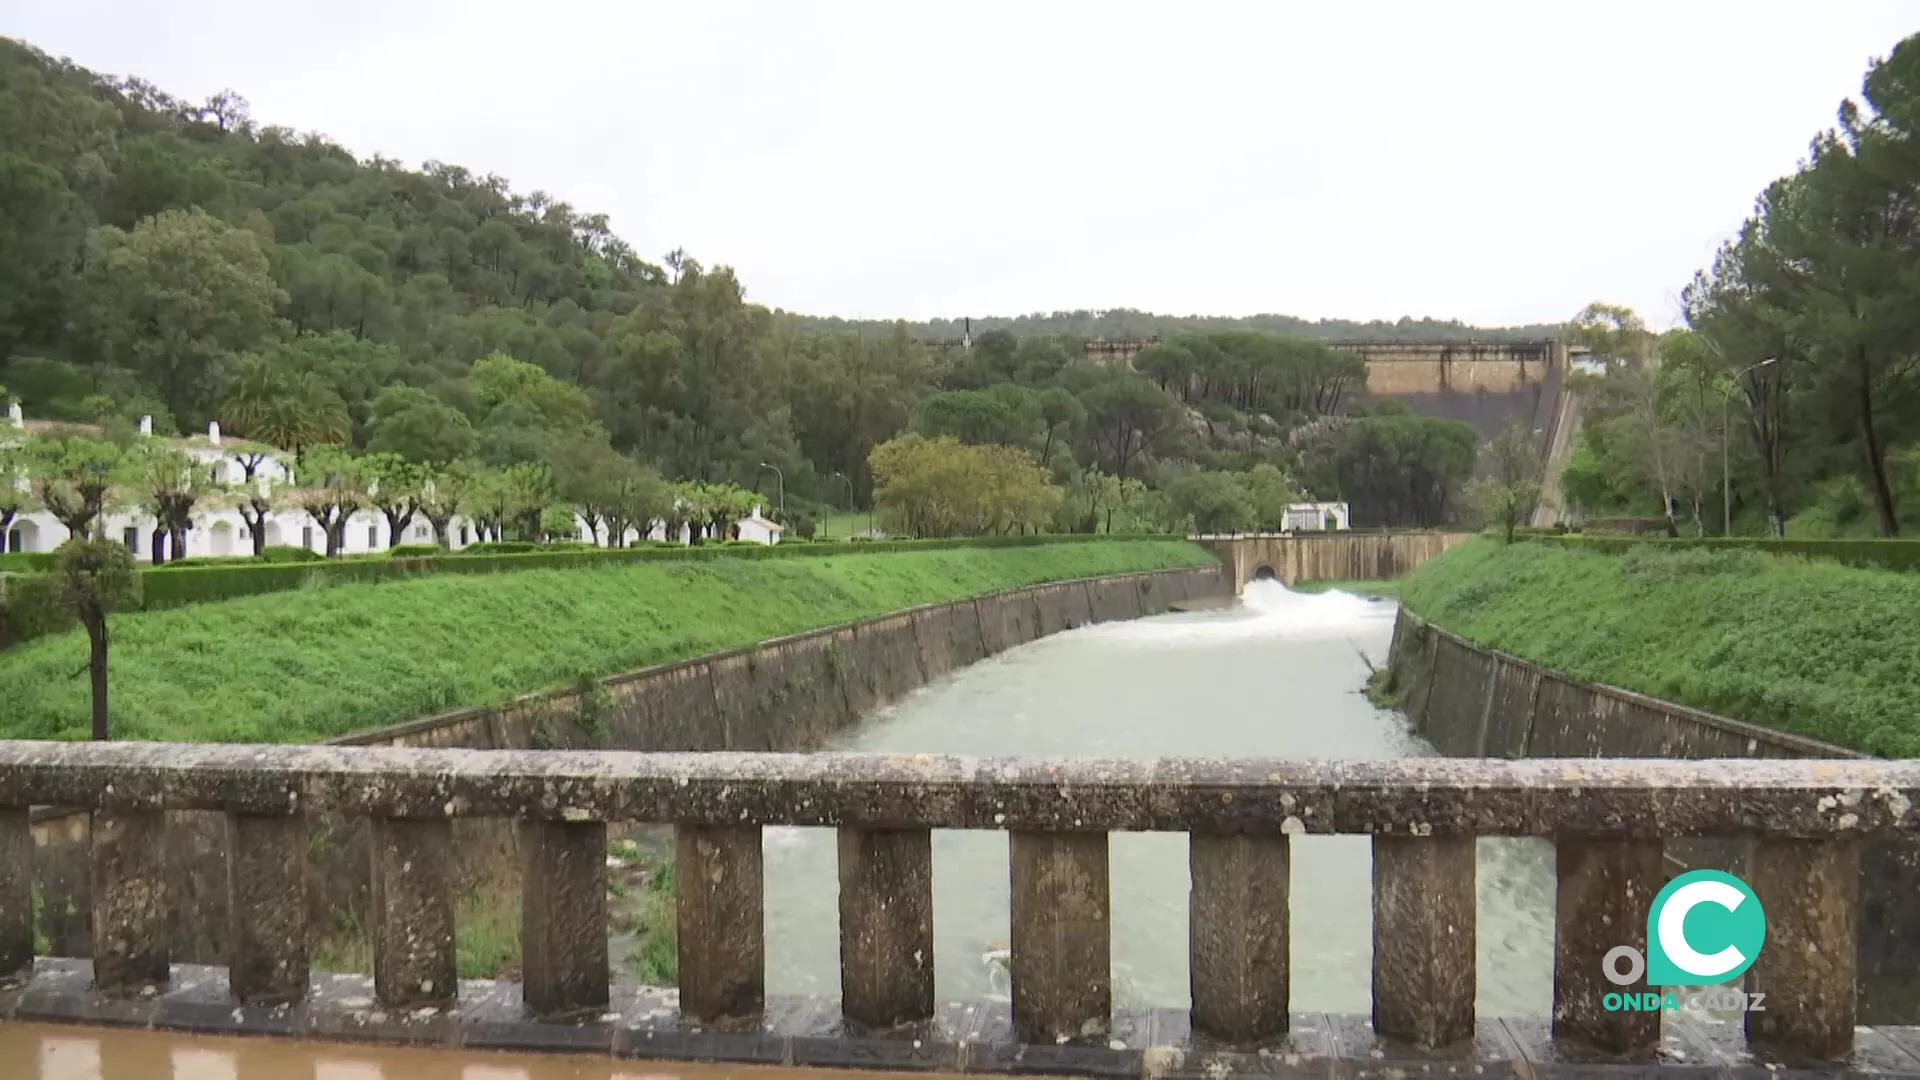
[
  {"x": 146, "y": 425},
  {"x": 213, "y": 432},
  {"x": 263, "y": 485}
]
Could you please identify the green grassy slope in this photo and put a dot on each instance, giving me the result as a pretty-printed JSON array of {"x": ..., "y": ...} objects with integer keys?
[
  {"x": 1813, "y": 647},
  {"x": 309, "y": 665}
]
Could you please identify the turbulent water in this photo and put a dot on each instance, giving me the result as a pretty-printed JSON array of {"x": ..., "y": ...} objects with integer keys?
[{"x": 1279, "y": 676}]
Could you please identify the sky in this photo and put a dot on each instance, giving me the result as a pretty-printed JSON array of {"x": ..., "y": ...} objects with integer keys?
[{"x": 1498, "y": 163}]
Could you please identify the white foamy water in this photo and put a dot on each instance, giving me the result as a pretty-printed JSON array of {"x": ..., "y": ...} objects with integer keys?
[{"x": 1278, "y": 676}]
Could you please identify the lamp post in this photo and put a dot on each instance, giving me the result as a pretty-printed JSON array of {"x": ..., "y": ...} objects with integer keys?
[
  {"x": 1726, "y": 467},
  {"x": 782, "y": 477},
  {"x": 842, "y": 477}
]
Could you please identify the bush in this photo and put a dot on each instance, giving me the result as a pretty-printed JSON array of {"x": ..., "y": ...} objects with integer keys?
[
  {"x": 498, "y": 547},
  {"x": 414, "y": 551},
  {"x": 741, "y": 543},
  {"x": 568, "y": 545},
  {"x": 216, "y": 560},
  {"x": 288, "y": 554},
  {"x": 25, "y": 562},
  {"x": 30, "y": 607}
]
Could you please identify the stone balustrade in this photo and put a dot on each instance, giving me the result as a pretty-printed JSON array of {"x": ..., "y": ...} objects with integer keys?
[{"x": 1608, "y": 818}]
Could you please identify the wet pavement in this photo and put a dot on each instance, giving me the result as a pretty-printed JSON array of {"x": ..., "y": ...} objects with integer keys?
[{"x": 47, "y": 1052}]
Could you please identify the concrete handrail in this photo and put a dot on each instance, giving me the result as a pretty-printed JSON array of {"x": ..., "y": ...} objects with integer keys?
[{"x": 1608, "y": 818}]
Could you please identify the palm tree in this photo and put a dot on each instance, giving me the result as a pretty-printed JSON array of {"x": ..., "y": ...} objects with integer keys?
[{"x": 281, "y": 408}]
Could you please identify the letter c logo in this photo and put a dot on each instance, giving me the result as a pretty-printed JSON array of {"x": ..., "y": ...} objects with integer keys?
[{"x": 1726, "y": 917}]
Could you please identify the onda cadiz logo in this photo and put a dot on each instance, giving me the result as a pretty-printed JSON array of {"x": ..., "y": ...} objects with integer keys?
[{"x": 1705, "y": 927}]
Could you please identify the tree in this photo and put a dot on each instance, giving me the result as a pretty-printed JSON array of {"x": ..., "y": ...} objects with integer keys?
[
  {"x": 413, "y": 424},
  {"x": 335, "y": 489},
  {"x": 1129, "y": 417},
  {"x": 96, "y": 577},
  {"x": 173, "y": 483},
  {"x": 1213, "y": 502},
  {"x": 584, "y": 476},
  {"x": 1506, "y": 494},
  {"x": 394, "y": 486},
  {"x": 177, "y": 299},
  {"x": 270, "y": 404},
  {"x": 943, "y": 487},
  {"x": 637, "y": 496},
  {"x": 74, "y": 476},
  {"x": 1269, "y": 492},
  {"x": 444, "y": 492}
]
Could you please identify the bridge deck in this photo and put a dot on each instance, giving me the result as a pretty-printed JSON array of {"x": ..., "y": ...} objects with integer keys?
[{"x": 645, "y": 1024}]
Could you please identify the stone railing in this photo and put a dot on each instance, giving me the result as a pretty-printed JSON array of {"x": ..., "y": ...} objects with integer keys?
[{"x": 1609, "y": 819}]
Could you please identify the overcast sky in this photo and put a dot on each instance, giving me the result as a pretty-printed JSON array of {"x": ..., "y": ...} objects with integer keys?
[{"x": 1494, "y": 162}]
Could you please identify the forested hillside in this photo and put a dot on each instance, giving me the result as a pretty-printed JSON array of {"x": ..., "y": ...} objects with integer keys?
[
  {"x": 1797, "y": 376},
  {"x": 189, "y": 262}
]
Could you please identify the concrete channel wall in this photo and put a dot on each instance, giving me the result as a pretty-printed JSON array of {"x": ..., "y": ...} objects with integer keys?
[
  {"x": 786, "y": 694},
  {"x": 1471, "y": 701}
]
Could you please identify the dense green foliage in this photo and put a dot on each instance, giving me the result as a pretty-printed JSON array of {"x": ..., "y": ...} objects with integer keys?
[
  {"x": 1809, "y": 646},
  {"x": 1797, "y": 372},
  {"x": 180, "y": 260},
  {"x": 306, "y": 666}
]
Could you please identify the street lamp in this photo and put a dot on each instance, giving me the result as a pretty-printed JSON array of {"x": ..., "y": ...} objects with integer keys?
[
  {"x": 783, "y": 487},
  {"x": 1726, "y": 468},
  {"x": 842, "y": 477}
]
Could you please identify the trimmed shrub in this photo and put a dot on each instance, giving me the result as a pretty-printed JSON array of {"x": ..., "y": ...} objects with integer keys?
[
  {"x": 216, "y": 560},
  {"x": 414, "y": 551},
  {"x": 26, "y": 562},
  {"x": 498, "y": 547},
  {"x": 280, "y": 553},
  {"x": 30, "y": 607}
]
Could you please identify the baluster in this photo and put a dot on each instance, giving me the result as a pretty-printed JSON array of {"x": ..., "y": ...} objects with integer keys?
[
  {"x": 1062, "y": 934},
  {"x": 1605, "y": 889},
  {"x": 1810, "y": 891},
  {"x": 132, "y": 899},
  {"x": 720, "y": 902},
  {"x": 1423, "y": 938},
  {"x": 16, "y": 893},
  {"x": 1237, "y": 935},
  {"x": 414, "y": 960},
  {"x": 886, "y": 926},
  {"x": 267, "y": 908},
  {"x": 563, "y": 918}
]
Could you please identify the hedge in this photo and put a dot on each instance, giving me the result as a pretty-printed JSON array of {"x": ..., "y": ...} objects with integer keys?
[
  {"x": 1886, "y": 554},
  {"x": 174, "y": 586}
]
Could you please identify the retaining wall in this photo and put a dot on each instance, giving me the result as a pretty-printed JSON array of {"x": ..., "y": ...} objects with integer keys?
[
  {"x": 785, "y": 694},
  {"x": 1334, "y": 556},
  {"x": 1472, "y": 701}
]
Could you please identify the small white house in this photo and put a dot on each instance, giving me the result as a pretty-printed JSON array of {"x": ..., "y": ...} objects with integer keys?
[
  {"x": 760, "y": 530},
  {"x": 1316, "y": 517}
]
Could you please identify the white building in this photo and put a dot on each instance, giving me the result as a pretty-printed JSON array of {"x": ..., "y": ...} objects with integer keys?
[
  {"x": 759, "y": 530},
  {"x": 1316, "y": 517},
  {"x": 218, "y": 528}
]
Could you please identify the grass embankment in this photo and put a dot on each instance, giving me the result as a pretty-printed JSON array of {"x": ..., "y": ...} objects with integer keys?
[
  {"x": 1808, "y": 646},
  {"x": 309, "y": 665},
  {"x": 1387, "y": 588}
]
